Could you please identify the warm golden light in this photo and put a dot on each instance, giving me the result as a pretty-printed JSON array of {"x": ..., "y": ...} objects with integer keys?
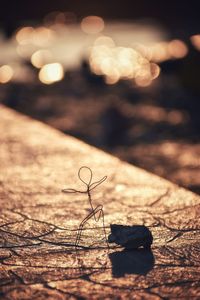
[
  {"x": 25, "y": 51},
  {"x": 113, "y": 77},
  {"x": 117, "y": 63},
  {"x": 146, "y": 73},
  {"x": 163, "y": 51},
  {"x": 92, "y": 24},
  {"x": 51, "y": 73},
  {"x": 6, "y": 74},
  {"x": 126, "y": 59},
  {"x": 145, "y": 51},
  {"x": 24, "y": 35},
  {"x": 40, "y": 58},
  {"x": 143, "y": 75},
  {"x": 177, "y": 49},
  {"x": 142, "y": 82},
  {"x": 159, "y": 52},
  {"x": 154, "y": 70},
  {"x": 195, "y": 40},
  {"x": 104, "y": 40},
  {"x": 42, "y": 36}
]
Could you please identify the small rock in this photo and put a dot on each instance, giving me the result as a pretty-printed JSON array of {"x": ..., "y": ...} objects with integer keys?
[{"x": 130, "y": 237}]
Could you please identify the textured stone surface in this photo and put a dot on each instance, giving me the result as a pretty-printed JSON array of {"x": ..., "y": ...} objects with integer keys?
[{"x": 38, "y": 223}]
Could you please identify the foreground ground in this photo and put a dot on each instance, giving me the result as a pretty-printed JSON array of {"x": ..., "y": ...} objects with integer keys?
[{"x": 38, "y": 223}]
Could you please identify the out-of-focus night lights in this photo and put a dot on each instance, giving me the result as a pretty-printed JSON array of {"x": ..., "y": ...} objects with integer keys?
[
  {"x": 137, "y": 62},
  {"x": 41, "y": 57},
  {"x": 51, "y": 73},
  {"x": 195, "y": 40},
  {"x": 104, "y": 40},
  {"x": 117, "y": 63},
  {"x": 177, "y": 49},
  {"x": 42, "y": 36},
  {"x": 39, "y": 36},
  {"x": 24, "y": 35},
  {"x": 154, "y": 70},
  {"x": 159, "y": 52},
  {"x": 92, "y": 24},
  {"x": 6, "y": 73}
]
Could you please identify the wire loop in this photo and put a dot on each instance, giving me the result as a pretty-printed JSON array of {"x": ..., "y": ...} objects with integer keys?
[{"x": 96, "y": 212}]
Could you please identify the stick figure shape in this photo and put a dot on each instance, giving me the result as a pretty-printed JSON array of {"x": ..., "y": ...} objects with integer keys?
[{"x": 96, "y": 212}]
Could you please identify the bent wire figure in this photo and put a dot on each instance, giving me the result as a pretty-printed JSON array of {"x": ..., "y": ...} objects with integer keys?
[{"x": 96, "y": 212}]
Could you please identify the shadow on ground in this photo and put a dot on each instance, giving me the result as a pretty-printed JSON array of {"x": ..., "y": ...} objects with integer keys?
[{"x": 139, "y": 261}]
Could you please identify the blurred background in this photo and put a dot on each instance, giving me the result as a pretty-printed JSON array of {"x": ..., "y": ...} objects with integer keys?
[{"x": 121, "y": 75}]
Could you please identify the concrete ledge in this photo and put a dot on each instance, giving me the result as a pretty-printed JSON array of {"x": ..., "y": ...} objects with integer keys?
[{"x": 38, "y": 223}]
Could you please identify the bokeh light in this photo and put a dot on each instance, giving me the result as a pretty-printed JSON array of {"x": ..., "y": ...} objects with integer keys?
[
  {"x": 105, "y": 41},
  {"x": 42, "y": 36},
  {"x": 159, "y": 52},
  {"x": 117, "y": 63},
  {"x": 154, "y": 70},
  {"x": 39, "y": 36},
  {"x": 51, "y": 73},
  {"x": 177, "y": 49},
  {"x": 6, "y": 73},
  {"x": 41, "y": 57},
  {"x": 109, "y": 56},
  {"x": 195, "y": 40},
  {"x": 24, "y": 35},
  {"x": 92, "y": 24},
  {"x": 25, "y": 51},
  {"x": 61, "y": 18}
]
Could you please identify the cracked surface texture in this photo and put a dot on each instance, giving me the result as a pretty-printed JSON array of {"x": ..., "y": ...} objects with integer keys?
[{"x": 38, "y": 223}]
